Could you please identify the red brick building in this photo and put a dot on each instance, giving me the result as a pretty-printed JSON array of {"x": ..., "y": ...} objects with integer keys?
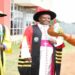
[{"x": 5, "y": 6}]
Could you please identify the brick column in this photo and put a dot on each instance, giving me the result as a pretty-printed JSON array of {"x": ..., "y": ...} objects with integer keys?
[{"x": 5, "y": 6}]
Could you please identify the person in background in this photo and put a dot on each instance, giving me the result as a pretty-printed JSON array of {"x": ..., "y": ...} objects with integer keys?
[
  {"x": 37, "y": 55},
  {"x": 5, "y": 44},
  {"x": 70, "y": 38}
]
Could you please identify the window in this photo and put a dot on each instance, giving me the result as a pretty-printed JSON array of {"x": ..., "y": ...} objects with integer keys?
[
  {"x": 17, "y": 21},
  {"x": 21, "y": 18},
  {"x": 16, "y": 26}
]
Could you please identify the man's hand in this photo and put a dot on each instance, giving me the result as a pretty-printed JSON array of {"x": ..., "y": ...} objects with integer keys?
[
  {"x": 53, "y": 41},
  {"x": 28, "y": 59},
  {"x": 53, "y": 33},
  {"x": 1, "y": 47}
]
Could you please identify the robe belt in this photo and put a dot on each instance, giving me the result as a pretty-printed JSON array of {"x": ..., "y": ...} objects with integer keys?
[{"x": 46, "y": 43}]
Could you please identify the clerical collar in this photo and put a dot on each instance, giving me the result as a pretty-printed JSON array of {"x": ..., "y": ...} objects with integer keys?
[{"x": 41, "y": 25}]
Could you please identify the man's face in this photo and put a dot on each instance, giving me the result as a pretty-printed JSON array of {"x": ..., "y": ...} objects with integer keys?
[{"x": 45, "y": 19}]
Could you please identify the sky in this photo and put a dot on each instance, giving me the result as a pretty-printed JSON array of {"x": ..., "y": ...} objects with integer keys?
[{"x": 65, "y": 10}]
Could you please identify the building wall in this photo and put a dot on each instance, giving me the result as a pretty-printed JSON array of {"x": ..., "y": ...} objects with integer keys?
[
  {"x": 68, "y": 27},
  {"x": 42, "y": 3},
  {"x": 5, "y": 6}
]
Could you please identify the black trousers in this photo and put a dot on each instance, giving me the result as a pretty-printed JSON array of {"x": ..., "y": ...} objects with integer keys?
[
  {"x": 58, "y": 65},
  {"x": 24, "y": 70},
  {"x": 57, "y": 69}
]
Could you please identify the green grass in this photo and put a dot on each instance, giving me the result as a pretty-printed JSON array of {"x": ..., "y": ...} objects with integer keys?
[
  {"x": 12, "y": 59},
  {"x": 69, "y": 48}
]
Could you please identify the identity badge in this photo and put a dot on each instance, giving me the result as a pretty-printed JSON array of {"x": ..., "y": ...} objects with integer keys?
[{"x": 36, "y": 39}]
